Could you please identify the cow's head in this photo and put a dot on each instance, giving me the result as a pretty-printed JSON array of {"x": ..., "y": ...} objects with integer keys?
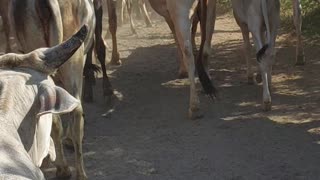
[{"x": 29, "y": 97}]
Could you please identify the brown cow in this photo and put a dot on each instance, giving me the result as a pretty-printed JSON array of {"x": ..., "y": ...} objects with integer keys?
[{"x": 141, "y": 6}]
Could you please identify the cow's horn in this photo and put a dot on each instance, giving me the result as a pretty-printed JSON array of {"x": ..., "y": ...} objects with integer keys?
[{"x": 54, "y": 57}]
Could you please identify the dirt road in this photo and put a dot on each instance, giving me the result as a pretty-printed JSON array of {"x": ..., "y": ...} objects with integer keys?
[{"x": 147, "y": 135}]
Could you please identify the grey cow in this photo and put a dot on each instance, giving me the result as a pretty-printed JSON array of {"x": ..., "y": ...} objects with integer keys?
[
  {"x": 28, "y": 101},
  {"x": 46, "y": 23},
  {"x": 261, "y": 18}
]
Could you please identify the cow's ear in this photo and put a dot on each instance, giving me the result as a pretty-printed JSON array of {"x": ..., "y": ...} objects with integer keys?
[{"x": 56, "y": 100}]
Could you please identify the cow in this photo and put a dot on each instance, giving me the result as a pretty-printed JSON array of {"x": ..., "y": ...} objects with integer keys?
[
  {"x": 141, "y": 5},
  {"x": 29, "y": 99},
  {"x": 262, "y": 19},
  {"x": 297, "y": 20},
  {"x": 179, "y": 15},
  {"x": 100, "y": 46},
  {"x": 47, "y": 23}
]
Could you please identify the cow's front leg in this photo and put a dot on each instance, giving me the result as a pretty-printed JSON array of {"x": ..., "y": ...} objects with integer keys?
[
  {"x": 77, "y": 136},
  {"x": 73, "y": 84},
  {"x": 63, "y": 170}
]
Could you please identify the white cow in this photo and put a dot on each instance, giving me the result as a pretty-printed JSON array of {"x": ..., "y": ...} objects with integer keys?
[
  {"x": 179, "y": 15},
  {"x": 47, "y": 23},
  {"x": 28, "y": 100},
  {"x": 261, "y": 18}
]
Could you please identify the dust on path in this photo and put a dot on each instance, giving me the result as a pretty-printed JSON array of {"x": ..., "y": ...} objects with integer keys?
[{"x": 148, "y": 135}]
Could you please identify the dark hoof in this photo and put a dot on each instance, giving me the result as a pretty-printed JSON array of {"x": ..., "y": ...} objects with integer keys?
[
  {"x": 115, "y": 63},
  {"x": 68, "y": 144},
  {"x": 108, "y": 92},
  {"x": 300, "y": 60},
  {"x": 63, "y": 172},
  {"x": 195, "y": 114},
  {"x": 250, "y": 80},
  {"x": 266, "y": 106},
  {"x": 88, "y": 99},
  {"x": 115, "y": 59},
  {"x": 134, "y": 32},
  {"x": 182, "y": 75},
  {"x": 258, "y": 78}
]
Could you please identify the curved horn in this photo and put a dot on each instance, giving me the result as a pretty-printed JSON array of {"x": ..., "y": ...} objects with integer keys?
[{"x": 56, "y": 56}]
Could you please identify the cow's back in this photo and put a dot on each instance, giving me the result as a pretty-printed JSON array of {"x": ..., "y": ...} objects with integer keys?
[
  {"x": 76, "y": 13},
  {"x": 244, "y": 9}
]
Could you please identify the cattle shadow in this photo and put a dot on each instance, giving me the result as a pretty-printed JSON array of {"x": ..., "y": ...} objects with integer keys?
[{"x": 148, "y": 135}]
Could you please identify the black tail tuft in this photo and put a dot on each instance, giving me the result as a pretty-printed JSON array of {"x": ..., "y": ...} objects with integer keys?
[
  {"x": 261, "y": 52},
  {"x": 205, "y": 81}
]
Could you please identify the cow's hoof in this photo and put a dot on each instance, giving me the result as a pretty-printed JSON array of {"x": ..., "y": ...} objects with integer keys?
[
  {"x": 82, "y": 177},
  {"x": 250, "y": 80},
  {"x": 182, "y": 75},
  {"x": 88, "y": 98},
  {"x": 63, "y": 172},
  {"x": 67, "y": 142},
  {"x": 115, "y": 59},
  {"x": 107, "y": 91},
  {"x": 258, "y": 78},
  {"x": 300, "y": 60},
  {"x": 266, "y": 106},
  {"x": 194, "y": 113},
  {"x": 115, "y": 62}
]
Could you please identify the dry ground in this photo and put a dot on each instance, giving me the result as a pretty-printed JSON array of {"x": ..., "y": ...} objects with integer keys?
[{"x": 145, "y": 133}]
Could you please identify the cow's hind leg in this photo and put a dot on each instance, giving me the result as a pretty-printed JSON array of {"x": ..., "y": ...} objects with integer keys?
[
  {"x": 210, "y": 25},
  {"x": 264, "y": 69},
  {"x": 300, "y": 59},
  {"x": 101, "y": 53},
  {"x": 182, "y": 24},
  {"x": 247, "y": 52},
  {"x": 142, "y": 5},
  {"x": 89, "y": 79},
  {"x": 254, "y": 27},
  {"x": 182, "y": 73},
  {"x": 194, "y": 28},
  {"x": 129, "y": 7},
  {"x": 115, "y": 59},
  {"x": 63, "y": 170}
]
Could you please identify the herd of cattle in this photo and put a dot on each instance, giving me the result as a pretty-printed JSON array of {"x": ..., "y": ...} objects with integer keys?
[{"x": 30, "y": 102}]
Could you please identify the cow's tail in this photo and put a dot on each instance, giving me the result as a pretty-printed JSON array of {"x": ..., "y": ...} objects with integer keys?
[
  {"x": 264, "y": 8},
  {"x": 51, "y": 21},
  {"x": 205, "y": 81}
]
